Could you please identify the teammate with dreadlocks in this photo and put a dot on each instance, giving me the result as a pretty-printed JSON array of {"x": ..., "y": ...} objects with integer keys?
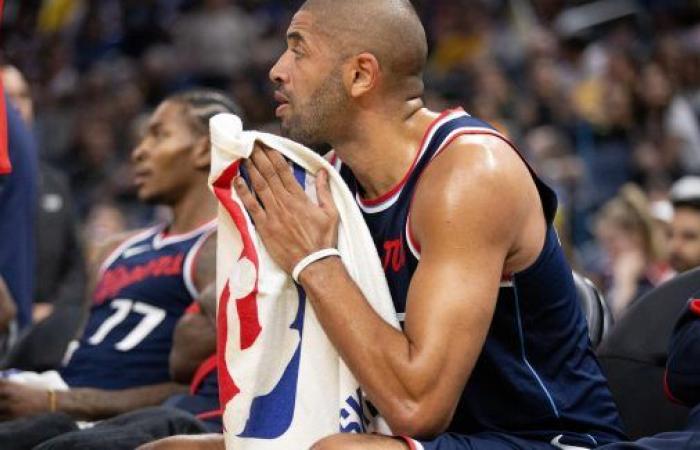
[{"x": 144, "y": 281}]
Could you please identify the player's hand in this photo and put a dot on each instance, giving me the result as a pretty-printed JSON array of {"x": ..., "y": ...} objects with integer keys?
[
  {"x": 18, "y": 400},
  {"x": 202, "y": 442},
  {"x": 290, "y": 225}
]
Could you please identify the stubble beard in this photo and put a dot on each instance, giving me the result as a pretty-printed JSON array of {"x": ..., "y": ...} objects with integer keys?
[{"x": 314, "y": 123}]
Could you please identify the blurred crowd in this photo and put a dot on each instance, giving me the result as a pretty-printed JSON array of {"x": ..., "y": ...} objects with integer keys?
[{"x": 602, "y": 97}]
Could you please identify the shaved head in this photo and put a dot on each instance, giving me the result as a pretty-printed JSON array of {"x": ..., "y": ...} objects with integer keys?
[
  {"x": 346, "y": 59},
  {"x": 389, "y": 29}
]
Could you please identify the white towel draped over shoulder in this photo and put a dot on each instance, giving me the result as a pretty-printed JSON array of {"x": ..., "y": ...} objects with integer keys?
[{"x": 282, "y": 383}]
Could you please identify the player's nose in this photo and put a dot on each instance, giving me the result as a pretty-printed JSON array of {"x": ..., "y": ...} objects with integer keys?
[
  {"x": 277, "y": 73},
  {"x": 139, "y": 152}
]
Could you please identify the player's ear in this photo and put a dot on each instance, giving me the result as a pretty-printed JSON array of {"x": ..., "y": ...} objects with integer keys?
[
  {"x": 201, "y": 153},
  {"x": 364, "y": 74}
]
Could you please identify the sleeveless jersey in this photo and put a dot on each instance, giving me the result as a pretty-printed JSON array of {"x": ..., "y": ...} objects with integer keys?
[
  {"x": 537, "y": 375},
  {"x": 144, "y": 287}
]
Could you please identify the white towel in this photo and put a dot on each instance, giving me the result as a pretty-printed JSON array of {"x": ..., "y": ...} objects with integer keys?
[
  {"x": 50, "y": 379},
  {"x": 282, "y": 383}
]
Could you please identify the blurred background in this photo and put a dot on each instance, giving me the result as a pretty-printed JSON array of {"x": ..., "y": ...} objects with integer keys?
[{"x": 603, "y": 98}]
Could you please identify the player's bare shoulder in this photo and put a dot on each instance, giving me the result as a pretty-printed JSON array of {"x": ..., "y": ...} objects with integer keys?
[
  {"x": 477, "y": 183},
  {"x": 102, "y": 250},
  {"x": 475, "y": 167}
]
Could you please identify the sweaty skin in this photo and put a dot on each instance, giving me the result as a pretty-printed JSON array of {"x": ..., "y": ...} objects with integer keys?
[
  {"x": 451, "y": 299},
  {"x": 476, "y": 214},
  {"x": 471, "y": 228}
]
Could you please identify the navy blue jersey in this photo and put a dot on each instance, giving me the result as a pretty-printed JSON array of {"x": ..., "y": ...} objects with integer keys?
[
  {"x": 143, "y": 289},
  {"x": 18, "y": 192},
  {"x": 682, "y": 377},
  {"x": 203, "y": 398},
  {"x": 537, "y": 376}
]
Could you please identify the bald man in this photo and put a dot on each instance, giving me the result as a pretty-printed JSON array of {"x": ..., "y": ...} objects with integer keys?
[{"x": 494, "y": 351}]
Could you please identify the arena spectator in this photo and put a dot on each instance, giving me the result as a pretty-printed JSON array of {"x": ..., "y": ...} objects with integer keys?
[
  {"x": 510, "y": 62},
  {"x": 685, "y": 226},
  {"x": 631, "y": 241}
]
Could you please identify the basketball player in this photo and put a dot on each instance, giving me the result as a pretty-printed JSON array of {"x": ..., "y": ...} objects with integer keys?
[
  {"x": 145, "y": 281},
  {"x": 494, "y": 352}
]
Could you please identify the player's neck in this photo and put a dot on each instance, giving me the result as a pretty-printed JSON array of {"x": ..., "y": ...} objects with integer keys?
[
  {"x": 194, "y": 209},
  {"x": 382, "y": 154}
]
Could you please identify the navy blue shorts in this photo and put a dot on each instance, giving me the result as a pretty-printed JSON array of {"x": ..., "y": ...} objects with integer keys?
[
  {"x": 478, "y": 441},
  {"x": 498, "y": 441}
]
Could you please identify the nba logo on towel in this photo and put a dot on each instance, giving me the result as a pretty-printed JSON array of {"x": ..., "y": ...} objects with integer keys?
[
  {"x": 357, "y": 414},
  {"x": 268, "y": 403},
  {"x": 271, "y": 414}
]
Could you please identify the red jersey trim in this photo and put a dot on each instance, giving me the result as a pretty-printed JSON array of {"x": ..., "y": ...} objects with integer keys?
[
  {"x": 204, "y": 369},
  {"x": 421, "y": 148},
  {"x": 210, "y": 414},
  {"x": 695, "y": 306},
  {"x": 194, "y": 308},
  {"x": 5, "y": 164},
  {"x": 413, "y": 242}
]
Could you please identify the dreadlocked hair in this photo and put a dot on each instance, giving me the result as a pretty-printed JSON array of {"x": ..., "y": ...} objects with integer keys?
[{"x": 203, "y": 104}]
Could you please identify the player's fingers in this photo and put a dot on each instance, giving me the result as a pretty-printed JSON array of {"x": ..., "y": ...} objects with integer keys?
[
  {"x": 286, "y": 173},
  {"x": 267, "y": 170},
  {"x": 257, "y": 213},
  {"x": 261, "y": 187}
]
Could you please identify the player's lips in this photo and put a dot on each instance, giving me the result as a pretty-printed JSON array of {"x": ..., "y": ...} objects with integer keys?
[
  {"x": 283, "y": 103},
  {"x": 140, "y": 176}
]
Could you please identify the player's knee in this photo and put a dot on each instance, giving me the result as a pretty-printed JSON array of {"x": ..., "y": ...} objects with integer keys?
[
  {"x": 349, "y": 441},
  {"x": 335, "y": 442},
  {"x": 326, "y": 443}
]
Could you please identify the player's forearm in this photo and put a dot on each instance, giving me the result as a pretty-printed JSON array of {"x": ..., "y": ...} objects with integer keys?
[
  {"x": 381, "y": 357},
  {"x": 194, "y": 341},
  {"x": 8, "y": 310},
  {"x": 207, "y": 301},
  {"x": 95, "y": 404}
]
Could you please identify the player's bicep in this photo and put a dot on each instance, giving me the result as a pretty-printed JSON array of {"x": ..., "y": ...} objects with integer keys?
[
  {"x": 466, "y": 227},
  {"x": 450, "y": 305}
]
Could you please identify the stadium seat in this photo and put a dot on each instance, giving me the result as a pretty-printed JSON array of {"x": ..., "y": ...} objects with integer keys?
[
  {"x": 634, "y": 358},
  {"x": 594, "y": 308}
]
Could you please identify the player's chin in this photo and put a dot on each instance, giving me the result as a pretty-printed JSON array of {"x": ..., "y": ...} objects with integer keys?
[
  {"x": 284, "y": 130},
  {"x": 147, "y": 196}
]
